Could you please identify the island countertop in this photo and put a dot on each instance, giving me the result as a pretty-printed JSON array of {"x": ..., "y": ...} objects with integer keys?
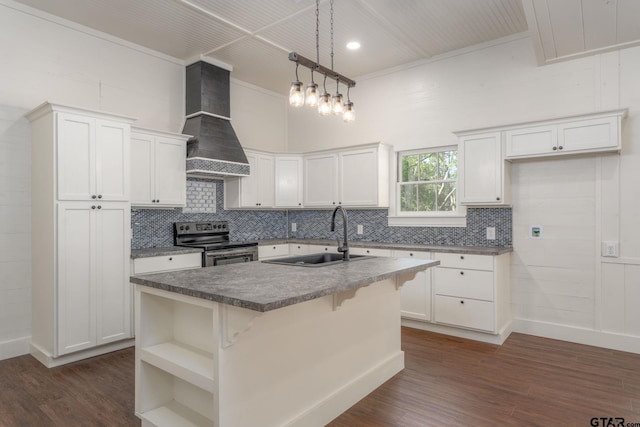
[{"x": 264, "y": 287}]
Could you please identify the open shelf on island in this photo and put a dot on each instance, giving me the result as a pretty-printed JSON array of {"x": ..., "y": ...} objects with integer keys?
[
  {"x": 189, "y": 363},
  {"x": 174, "y": 414}
]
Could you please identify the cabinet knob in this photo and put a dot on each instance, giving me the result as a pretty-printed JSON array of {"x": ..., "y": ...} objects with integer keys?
[
  {"x": 153, "y": 201},
  {"x": 461, "y": 256},
  {"x": 299, "y": 204},
  {"x": 274, "y": 247},
  {"x": 554, "y": 148},
  {"x": 170, "y": 259},
  {"x": 410, "y": 253},
  {"x": 158, "y": 201},
  {"x": 498, "y": 198},
  {"x": 99, "y": 207},
  {"x": 93, "y": 197},
  {"x": 333, "y": 203},
  {"x": 560, "y": 147},
  {"x": 93, "y": 207},
  {"x": 339, "y": 203},
  {"x": 99, "y": 196},
  {"x": 461, "y": 302},
  {"x": 368, "y": 251},
  {"x": 462, "y": 273}
]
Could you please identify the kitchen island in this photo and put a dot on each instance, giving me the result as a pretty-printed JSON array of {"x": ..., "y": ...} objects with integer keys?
[{"x": 264, "y": 344}]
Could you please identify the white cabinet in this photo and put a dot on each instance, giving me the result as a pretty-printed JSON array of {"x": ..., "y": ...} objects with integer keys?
[
  {"x": 484, "y": 177},
  {"x": 81, "y": 303},
  {"x": 472, "y": 291},
  {"x": 321, "y": 180},
  {"x": 369, "y": 251},
  {"x": 173, "y": 262},
  {"x": 416, "y": 293},
  {"x": 591, "y": 133},
  {"x": 288, "y": 181},
  {"x": 158, "y": 168},
  {"x": 94, "y": 305},
  {"x": 300, "y": 249},
  {"x": 93, "y": 157},
  {"x": 272, "y": 251},
  {"x": 357, "y": 177},
  {"x": 256, "y": 190}
]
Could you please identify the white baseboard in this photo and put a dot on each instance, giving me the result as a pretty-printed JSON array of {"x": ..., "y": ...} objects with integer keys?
[
  {"x": 15, "y": 347},
  {"x": 461, "y": 333},
  {"x": 51, "y": 362},
  {"x": 608, "y": 340},
  {"x": 348, "y": 395}
]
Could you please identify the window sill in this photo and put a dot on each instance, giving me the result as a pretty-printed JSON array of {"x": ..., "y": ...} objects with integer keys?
[{"x": 428, "y": 221}]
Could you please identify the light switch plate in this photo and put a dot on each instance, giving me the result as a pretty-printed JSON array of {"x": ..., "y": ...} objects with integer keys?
[
  {"x": 610, "y": 249},
  {"x": 294, "y": 227},
  {"x": 360, "y": 229},
  {"x": 535, "y": 232},
  {"x": 491, "y": 233}
]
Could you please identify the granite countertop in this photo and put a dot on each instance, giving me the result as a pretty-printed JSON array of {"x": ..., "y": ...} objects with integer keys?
[
  {"x": 478, "y": 250},
  {"x": 166, "y": 250},
  {"x": 263, "y": 287}
]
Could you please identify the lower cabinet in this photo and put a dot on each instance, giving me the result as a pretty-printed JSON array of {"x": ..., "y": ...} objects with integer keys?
[
  {"x": 93, "y": 292},
  {"x": 472, "y": 291},
  {"x": 416, "y": 293},
  {"x": 272, "y": 251}
]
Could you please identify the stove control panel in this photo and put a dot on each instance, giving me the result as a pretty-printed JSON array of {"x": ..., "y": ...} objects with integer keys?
[{"x": 181, "y": 228}]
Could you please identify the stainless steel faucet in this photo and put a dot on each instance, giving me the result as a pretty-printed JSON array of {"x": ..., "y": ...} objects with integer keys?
[{"x": 345, "y": 246}]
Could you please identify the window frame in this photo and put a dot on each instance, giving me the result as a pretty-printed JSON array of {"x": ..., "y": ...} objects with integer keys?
[{"x": 397, "y": 217}]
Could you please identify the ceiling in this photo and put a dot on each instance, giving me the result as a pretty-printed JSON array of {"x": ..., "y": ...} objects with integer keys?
[{"x": 255, "y": 37}]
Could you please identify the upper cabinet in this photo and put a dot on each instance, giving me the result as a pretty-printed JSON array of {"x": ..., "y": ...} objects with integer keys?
[
  {"x": 158, "y": 168},
  {"x": 256, "y": 190},
  {"x": 484, "y": 176},
  {"x": 93, "y": 157},
  {"x": 357, "y": 177},
  {"x": 289, "y": 179},
  {"x": 591, "y": 133}
]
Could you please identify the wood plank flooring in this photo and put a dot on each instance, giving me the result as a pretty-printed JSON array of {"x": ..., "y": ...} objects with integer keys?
[{"x": 528, "y": 381}]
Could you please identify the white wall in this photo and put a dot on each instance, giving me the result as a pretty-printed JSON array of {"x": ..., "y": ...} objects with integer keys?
[
  {"x": 561, "y": 287},
  {"x": 48, "y": 59}
]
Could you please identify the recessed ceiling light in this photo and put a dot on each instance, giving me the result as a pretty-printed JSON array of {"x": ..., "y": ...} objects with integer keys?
[{"x": 353, "y": 45}]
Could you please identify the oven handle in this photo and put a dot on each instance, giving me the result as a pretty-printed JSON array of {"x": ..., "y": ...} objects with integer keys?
[{"x": 246, "y": 249}]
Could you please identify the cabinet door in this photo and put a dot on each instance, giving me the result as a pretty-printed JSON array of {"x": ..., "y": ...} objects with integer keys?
[
  {"x": 321, "y": 180},
  {"x": 266, "y": 182},
  {"x": 358, "y": 181},
  {"x": 531, "y": 141},
  {"x": 76, "y": 291},
  {"x": 75, "y": 149},
  {"x": 113, "y": 305},
  {"x": 112, "y": 160},
  {"x": 415, "y": 294},
  {"x": 170, "y": 172},
  {"x": 288, "y": 182},
  {"x": 248, "y": 184},
  {"x": 480, "y": 179},
  {"x": 142, "y": 171},
  {"x": 588, "y": 135}
]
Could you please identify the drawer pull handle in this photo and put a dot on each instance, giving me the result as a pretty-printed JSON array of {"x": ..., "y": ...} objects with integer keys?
[
  {"x": 410, "y": 253},
  {"x": 462, "y": 273},
  {"x": 461, "y": 302},
  {"x": 170, "y": 259},
  {"x": 368, "y": 251},
  {"x": 274, "y": 247},
  {"x": 461, "y": 256}
]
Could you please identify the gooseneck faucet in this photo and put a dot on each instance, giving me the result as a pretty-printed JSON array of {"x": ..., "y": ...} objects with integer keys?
[{"x": 345, "y": 245}]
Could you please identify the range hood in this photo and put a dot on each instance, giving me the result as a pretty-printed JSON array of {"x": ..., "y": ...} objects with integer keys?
[{"x": 214, "y": 150}]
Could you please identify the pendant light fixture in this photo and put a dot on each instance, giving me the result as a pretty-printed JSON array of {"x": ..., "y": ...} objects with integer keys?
[{"x": 325, "y": 103}]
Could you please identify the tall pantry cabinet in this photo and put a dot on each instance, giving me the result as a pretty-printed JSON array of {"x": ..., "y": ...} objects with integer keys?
[{"x": 81, "y": 227}]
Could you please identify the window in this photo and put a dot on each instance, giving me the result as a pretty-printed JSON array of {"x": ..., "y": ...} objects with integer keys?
[{"x": 427, "y": 181}]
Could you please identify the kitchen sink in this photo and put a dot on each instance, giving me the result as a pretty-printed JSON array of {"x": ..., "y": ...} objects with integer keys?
[{"x": 315, "y": 260}]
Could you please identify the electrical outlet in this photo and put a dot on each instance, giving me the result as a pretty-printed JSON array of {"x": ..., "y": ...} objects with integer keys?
[
  {"x": 360, "y": 229},
  {"x": 610, "y": 249},
  {"x": 294, "y": 227},
  {"x": 491, "y": 233}
]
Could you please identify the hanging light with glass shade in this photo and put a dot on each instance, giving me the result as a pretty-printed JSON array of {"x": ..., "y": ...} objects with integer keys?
[{"x": 325, "y": 103}]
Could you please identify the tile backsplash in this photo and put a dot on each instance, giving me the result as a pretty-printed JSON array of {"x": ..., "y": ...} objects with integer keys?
[{"x": 154, "y": 227}]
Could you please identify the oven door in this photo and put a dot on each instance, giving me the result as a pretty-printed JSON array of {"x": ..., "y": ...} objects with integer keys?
[{"x": 230, "y": 256}]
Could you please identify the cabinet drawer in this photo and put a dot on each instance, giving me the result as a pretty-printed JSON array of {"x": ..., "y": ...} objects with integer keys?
[
  {"x": 298, "y": 249},
  {"x": 316, "y": 249},
  {"x": 473, "y": 262},
  {"x": 468, "y": 313},
  {"x": 412, "y": 254},
  {"x": 271, "y": 251},
  {"x": 166, "y": 263},
  {"x": 370, "y": 252},
  {"x": 461, "y": 283}
]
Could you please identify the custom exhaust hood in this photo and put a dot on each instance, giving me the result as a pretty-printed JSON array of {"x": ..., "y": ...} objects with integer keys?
[{"x": 214, "y": 151}]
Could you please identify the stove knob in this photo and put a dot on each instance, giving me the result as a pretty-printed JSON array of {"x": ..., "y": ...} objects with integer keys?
[
  {"x": 187, "y": 227},
  {"x": 182, "y": 227}
]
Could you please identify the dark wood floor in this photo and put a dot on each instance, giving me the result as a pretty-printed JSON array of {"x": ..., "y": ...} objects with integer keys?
[{"x": 447, "y": 381}]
